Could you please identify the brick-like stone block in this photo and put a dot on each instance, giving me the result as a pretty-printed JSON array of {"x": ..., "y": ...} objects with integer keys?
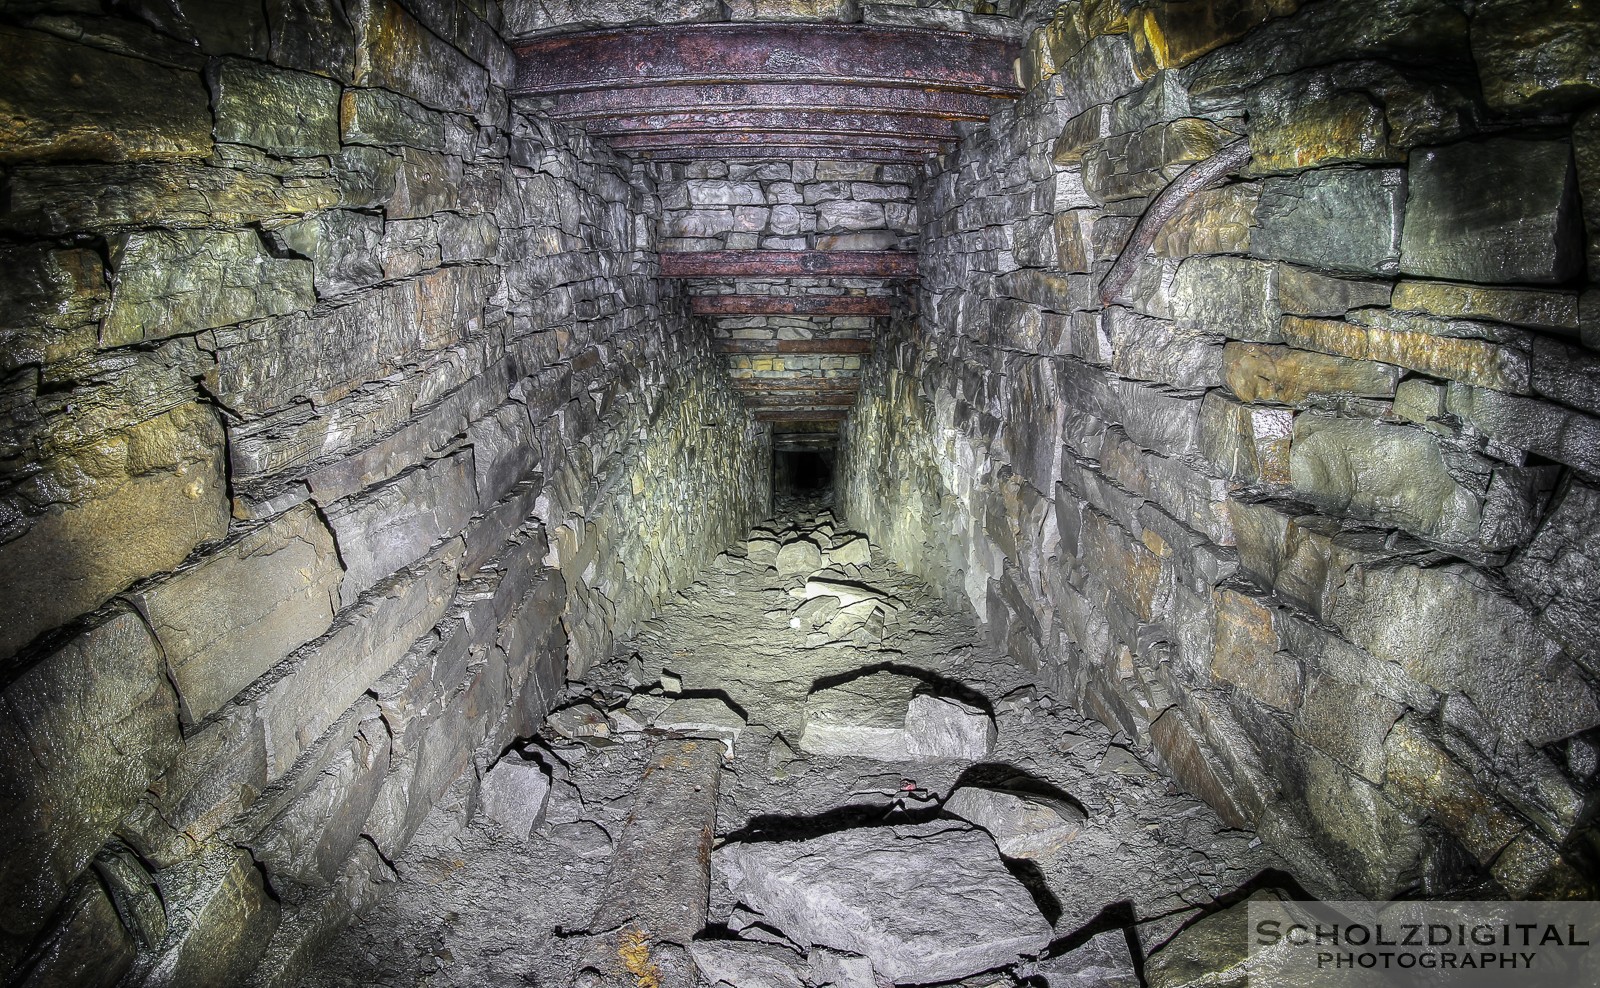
[
  {"x": 245, "y": 608},
  {"x": 1529, "y": 231},
  {"x": 84, "y": 731},
  {"x": 282, "y": 112},
  {"x": 1339, "y": 219}
]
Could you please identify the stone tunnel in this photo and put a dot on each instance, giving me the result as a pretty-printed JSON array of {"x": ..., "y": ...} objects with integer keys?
[{"x": 788, "y": 493}]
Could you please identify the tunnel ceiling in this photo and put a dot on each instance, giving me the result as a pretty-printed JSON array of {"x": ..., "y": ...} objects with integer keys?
[{"x": 820, "y": 92}]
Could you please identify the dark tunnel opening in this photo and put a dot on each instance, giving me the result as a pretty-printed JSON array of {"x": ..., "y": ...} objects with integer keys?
[{"x": 802, "y": 471}]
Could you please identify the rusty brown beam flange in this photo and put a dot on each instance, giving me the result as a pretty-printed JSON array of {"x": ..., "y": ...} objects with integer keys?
[
  {"x": 794, "y": 346},
  {"x": 782, "y": 152},
  {"x": 830, "y": 384},
  {"x": 627, "y": 101},
  {"x": 792, "y": 121},
  {"x": 779, "y": 305},
  {"x": 791, "y": 415},
  {"x": 697, "y": 54},
  {"x": 789, "y": 264},
  {"x": 761, "y": 142}
]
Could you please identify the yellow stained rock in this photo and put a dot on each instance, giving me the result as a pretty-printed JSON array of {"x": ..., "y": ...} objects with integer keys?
[
  {"x": 1260, "y": 372},
  {"x": 1343, "y": 127},
  {"x": 1478, "y": 362},
  {"x": 1169, "y": 34},
  {"x": 1520, "y": 307}
]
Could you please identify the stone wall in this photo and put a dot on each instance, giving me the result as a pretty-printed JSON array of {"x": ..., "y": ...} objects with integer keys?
[
  {"x": 344, "y": 419},
  {"x": 1308, "y": 509},
  {"x": 787, "y": 205}
]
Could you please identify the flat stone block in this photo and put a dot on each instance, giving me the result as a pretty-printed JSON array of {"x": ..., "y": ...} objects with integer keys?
[
  {"x": 244, "y": 609},
  {"x": 1282, "y": 374},
  {"x": 175, "y": 282},
  {"x": 282, "y": 112},
  {"x": 1528, "y": 231},
  {"x": 84, "y": 731},
  {"x": 1339, "y": 219},
  {"x": 73, "y": 101}
]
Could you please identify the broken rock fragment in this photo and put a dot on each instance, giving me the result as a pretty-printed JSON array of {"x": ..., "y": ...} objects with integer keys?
[
  {"x": 923, "y": 904},
  {"x": 798, "y": 556},
  {"x": 1024, "y": 825},
  {"x": 893, "y": 717},
  {"x": 513, "y": 795},
  {"x": 702, "y": 717}
]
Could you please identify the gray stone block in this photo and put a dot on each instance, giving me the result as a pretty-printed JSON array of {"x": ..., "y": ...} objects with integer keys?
[
  {"x": 84, "y": 731},
  {"x": 281, "y": 112},
  {"x": 241, "y": 611},
  {"x": 335, "y": 672},
  {"x": 396, "y": 524},
  {"x": 1339, "y": 219},
  {"x": 221, "y": 921},
  {"x": 1527, "y": 230},
  {"x": 177, "y": 282}
]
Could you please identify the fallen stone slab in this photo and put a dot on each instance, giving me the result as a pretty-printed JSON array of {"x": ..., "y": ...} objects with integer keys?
[
  {"x": 892, "y": 717},
  {"x": 581, "y": 720},
  {"x": 849, "y": 593},
  {"x": 925, "y": 903},
  {"x": 1216, "y": 951},
  {"x": 1103, "y": 962},
  {"x": 1024, "y": 825},
  {"x": 798, "y": 556},
  {"x": 854, "y": 552},
  {"x": 742, "y": 964},
  {"x": 940, "y": 727},
  {"x": 702, "y": 717},
  {"x": 513, "y": 794}
]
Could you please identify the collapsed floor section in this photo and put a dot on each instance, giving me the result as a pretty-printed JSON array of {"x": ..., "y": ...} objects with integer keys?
[{"x": 894, "y": 803}]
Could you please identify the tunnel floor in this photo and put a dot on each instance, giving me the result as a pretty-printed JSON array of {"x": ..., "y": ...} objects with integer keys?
[{"x": 477, "y": 905}]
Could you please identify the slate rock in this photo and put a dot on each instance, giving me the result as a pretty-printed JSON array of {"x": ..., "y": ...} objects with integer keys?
[
  {"x": 798, "y": 556},
  {"x": 1529, "y": 231},
  {"x": 1339, "y": 219},
  {"x": 87, "y": 948},
  {"x": 221, "y": 921},
  {"x": 281, "y": 112},
  {"x": 941, "y": 727},
  {"x": 702, "y": 717},
  {"x": 70, "y": 100},
  {"x": 1560, "y": 569},
  {"x": 83, "y": 732},
  {"x": 176, "y": 282},
  {"x": 581, "y": 720},
  {"x": 244, "y": 609},
  {"x": 741, "y": 964},
  {"x": 1103, "y": 962},
  {"x": 513, "y": 794},
  {"x": 133, "y": 893},
  {"x": 1215, "y": 952},
  {"x": 924, "y": 904},
  {"x": 1023, "y": 824},
  {"x": 854, "y": 552},
  {"x": 863, "y": 717}
]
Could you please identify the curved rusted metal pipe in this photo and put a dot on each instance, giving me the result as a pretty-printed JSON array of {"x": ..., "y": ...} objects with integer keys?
[{"x": 1195, "y": 179}]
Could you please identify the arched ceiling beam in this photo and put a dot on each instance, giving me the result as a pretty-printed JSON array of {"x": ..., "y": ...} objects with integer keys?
[
  {"x": 851, "y": 124},
  {"x": 804, "y": 54},
  {"x": 625, "y": 100}
]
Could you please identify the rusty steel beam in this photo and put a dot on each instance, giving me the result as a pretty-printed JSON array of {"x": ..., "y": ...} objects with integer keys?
[
  {"x": 836, "y": 384},
  {"x": 781, "y": 152},
  {"x": 793, "y": 121},
  {"x": 628, "y": 101},
  {"x": 779, "y": 305},
  {"x": 762, "y": 142},
  {"x": 794, "y": 346},
  {"x": 795, "y": 415},
  {"x": 699, "y": 54},
  {"x": 789, "y": 264}
]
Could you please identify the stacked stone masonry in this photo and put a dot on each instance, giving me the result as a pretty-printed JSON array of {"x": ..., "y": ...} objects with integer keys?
[
  {"x": 1307, "y": 509},
  {"x": 345, "y": 419}
]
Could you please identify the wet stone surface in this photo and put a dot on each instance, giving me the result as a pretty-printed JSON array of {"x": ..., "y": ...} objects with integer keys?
[{"x": 473, "y": 906}]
